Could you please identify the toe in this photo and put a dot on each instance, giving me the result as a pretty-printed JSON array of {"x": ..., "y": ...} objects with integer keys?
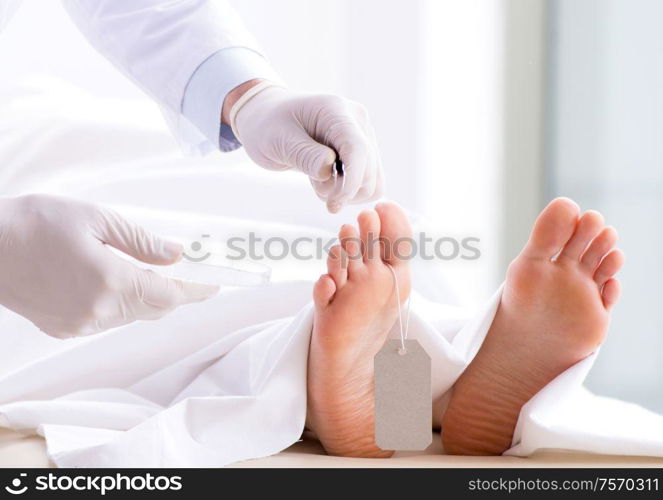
[
  {"x": 598, "y": 248},
  {"x": 611, "y": 292},
  {"x": 609, "y": 266},
  {"x": 323, "y": 291},
  {"x": 552, "y": 229},
  {"x": 337, "y": 266},
  {"x": 369, "y": 232},
  {"x": 395, "y": 234},
  {"x": 349, "y": 238},
  {"x": 589, "y": 225}
]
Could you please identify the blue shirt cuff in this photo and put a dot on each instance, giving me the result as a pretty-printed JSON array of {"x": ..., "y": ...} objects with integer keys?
[{"x": 210, "y": 83}]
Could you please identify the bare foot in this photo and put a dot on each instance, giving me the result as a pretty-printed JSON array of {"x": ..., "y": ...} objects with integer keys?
[
  {"x": 554, "y": 312},
  {"x": 355, "y": 308}
]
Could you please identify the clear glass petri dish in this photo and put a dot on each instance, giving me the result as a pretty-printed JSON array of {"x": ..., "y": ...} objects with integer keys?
[{"x": 220, "y": 272}]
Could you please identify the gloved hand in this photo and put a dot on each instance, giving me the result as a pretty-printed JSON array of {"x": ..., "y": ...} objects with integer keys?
[
  {"x": 57, "y": 271},
  {"x": 282, "y": 129}
]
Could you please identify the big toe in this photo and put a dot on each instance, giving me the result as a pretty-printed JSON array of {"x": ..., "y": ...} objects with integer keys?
[
  {"x": 395, "y": 233},
  {"x": 369, "y": 232},
  {"x": 552, "y": 229}
]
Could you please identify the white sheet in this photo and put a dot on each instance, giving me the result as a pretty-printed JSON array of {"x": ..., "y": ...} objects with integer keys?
[
  {"x": 210, "y": 384},
  {"x": 225, "y": 380}
]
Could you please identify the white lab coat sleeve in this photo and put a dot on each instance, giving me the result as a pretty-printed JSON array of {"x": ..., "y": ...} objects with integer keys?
[
  {"x": 160, "y": 44},
  {"x": 209, "y": 85}
]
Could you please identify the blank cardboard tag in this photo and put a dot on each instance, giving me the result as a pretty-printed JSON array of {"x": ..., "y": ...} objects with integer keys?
[{"x": 403, "y": 404}]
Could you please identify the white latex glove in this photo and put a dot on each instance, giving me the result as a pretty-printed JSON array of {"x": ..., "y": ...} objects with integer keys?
[
  {"x": 282, "y": 129},
  {"x": 57, "y": 271}
]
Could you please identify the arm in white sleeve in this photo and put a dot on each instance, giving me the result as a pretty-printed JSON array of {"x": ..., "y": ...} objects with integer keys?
[
  {"x": 168, "y": 47},
  {"x": 209, "y": 85},
  {"x": 188, "y": 54}
]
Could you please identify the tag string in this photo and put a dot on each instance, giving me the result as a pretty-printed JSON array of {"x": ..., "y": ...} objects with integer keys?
[{"x": 403, "y": 327}]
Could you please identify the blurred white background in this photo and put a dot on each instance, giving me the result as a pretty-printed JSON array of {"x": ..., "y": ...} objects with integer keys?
[
  {"x": 604, "y": 143},
  {"x": 484, "y": 109}
]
